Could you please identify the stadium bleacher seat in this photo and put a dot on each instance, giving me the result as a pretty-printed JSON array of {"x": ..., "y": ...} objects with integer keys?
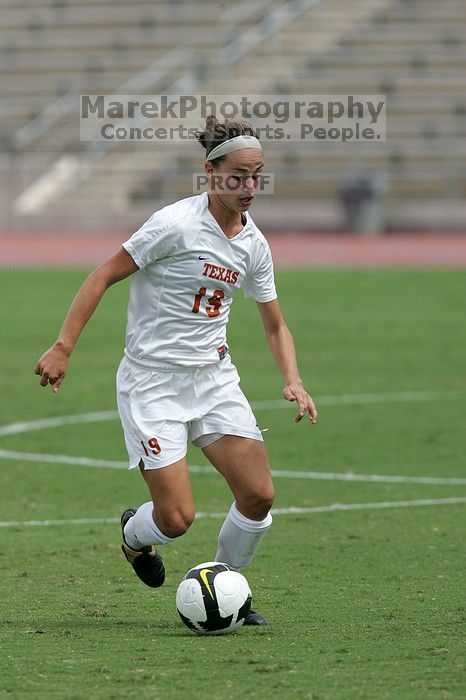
[{"x": 413, "y": 51}]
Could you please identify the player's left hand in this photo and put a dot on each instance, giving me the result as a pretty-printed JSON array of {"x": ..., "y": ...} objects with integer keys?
[{"x": 297, "y": 392}]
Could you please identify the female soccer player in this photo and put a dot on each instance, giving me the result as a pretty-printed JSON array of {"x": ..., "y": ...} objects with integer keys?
[{"x": 176, "y": 380}]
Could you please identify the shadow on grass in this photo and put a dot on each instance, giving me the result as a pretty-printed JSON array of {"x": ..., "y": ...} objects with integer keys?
[{"x": 71, "y": 628}]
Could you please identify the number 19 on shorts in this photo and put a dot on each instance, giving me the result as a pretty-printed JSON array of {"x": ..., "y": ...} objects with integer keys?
[{"x": 152, "y": 446}]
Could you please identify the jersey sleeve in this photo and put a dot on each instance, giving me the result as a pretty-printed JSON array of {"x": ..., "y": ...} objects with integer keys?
[
  {"x": 260, "y": 282},
  {"x": 155, "y": 240}
]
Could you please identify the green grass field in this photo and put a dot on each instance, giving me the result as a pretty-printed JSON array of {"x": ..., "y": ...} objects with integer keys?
[{"x": 363, "y": 602}]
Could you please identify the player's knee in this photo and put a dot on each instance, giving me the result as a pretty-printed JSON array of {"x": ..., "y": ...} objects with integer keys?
[
  {"x": 175, "y": 523},
  {"x": 258, "y": 503}
]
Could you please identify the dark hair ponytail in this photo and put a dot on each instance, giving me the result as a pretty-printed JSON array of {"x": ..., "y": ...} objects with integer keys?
[{"x": 216, "y": 132}]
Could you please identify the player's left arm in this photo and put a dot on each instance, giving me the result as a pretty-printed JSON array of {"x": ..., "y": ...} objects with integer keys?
[{"x": 283, "y": 351}]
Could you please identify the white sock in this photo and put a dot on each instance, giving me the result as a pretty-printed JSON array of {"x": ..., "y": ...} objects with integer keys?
[
  {"x": 140, "y": 530},
  {"x": 239, "y": 538}
]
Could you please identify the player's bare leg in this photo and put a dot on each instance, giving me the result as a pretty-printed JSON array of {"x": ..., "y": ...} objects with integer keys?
[
  {"x": 159, "y": 521},
  {"x": 244, "y": 464},
  {"x": 170, "y": 490}
]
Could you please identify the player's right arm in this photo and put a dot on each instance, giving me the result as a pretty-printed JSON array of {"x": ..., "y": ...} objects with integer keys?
[{"x": 53, "y": 364}]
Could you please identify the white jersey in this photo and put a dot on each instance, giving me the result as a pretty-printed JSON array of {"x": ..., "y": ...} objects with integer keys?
[{"x": 181, "y": 295}]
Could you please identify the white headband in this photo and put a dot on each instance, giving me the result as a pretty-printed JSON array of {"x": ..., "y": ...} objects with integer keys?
[{"x": 235, "y": 144}]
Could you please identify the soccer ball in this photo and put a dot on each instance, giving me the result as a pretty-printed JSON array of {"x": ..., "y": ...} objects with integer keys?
[{"x": 213, "y": 599}]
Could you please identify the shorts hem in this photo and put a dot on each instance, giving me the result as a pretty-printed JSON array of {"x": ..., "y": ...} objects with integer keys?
[
  {"x": 224, "y": 430},
  {"x": 157, "y": 464}
]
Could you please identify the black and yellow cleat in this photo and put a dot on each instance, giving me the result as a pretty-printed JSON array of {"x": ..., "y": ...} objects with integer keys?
[
  {"x": 255, "y": 619},
  {"x": 146, "y": 562}
]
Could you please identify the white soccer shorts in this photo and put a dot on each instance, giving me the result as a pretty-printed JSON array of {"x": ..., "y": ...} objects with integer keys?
[{"x": 160, "y": 410}]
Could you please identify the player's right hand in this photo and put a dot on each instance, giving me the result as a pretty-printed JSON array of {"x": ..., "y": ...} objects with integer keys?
[{"x": 52, "y": 367}]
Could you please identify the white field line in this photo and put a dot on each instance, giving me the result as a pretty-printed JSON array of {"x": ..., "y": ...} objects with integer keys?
[
  {"x": 62, "y": 459},
  {"x": 361, "y": 399},
  {"x": 331, "y": 400},
  {"x": 292, "y": 510},
  {"x": 18, "y": 428},
  {"x": 277, "y": 473},
  {"x": 375, "y": 478},
  {"x": 272, "y": 405}
]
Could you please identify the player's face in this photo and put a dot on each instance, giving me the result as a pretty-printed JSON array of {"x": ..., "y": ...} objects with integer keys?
[{"x": 237, "y": 178}]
